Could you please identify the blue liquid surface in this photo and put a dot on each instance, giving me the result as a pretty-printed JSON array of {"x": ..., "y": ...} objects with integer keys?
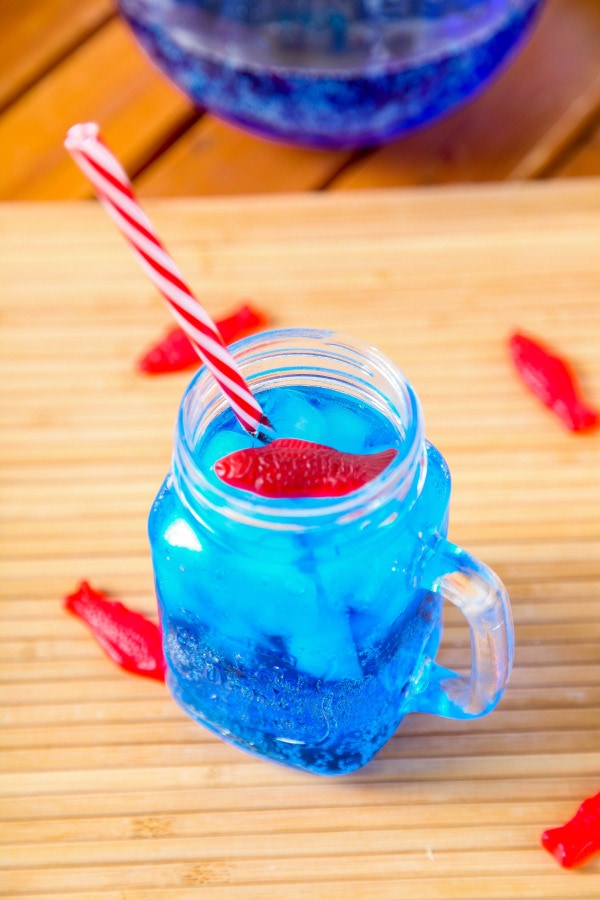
[
  {"x": 304, "y": 647},
  {"x": 340, "y": 74}
]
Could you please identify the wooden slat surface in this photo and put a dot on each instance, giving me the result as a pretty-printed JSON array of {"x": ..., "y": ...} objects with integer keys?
[
  {"x": 105, "y": 79},
  {"x": 107, "y": 792},
  {"x": 585, "y": 161},
  {"x": 212, "y": 158},
  {"x": 36, "y": 35}
]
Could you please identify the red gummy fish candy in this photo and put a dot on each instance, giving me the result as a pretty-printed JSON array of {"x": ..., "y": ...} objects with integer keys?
[
  {"x": 175, "y": 351},
  {"x": 552, "y": 382},
  {"x": 573, "y": 843},
  {"x": 290, "y": 467},
  {"x": 127, "y": 637}
]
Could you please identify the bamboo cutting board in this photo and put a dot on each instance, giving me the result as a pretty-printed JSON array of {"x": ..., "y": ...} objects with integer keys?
[{"x": 107, "y": 791}]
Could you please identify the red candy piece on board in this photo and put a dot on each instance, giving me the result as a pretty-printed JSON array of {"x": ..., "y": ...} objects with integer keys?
[
  {"x": 552, "y": 381},
  {"x": 172, "y": 354},
  {"x": 290, "y": 467},
  {"x": 175, "y": 351},
  {"x": 129, "y": 638},
  {"x": 572, "y": 844}
]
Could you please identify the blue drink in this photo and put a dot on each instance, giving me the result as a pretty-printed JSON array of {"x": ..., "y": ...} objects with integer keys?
[
  {"x": 303, "y": 630},
  {"x": 329, "y": 73}
]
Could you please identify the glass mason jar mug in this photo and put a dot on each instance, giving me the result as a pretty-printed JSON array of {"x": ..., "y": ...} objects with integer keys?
[
  {"x": 303, "y": 630},
  {"x": 329, "y": 73}
]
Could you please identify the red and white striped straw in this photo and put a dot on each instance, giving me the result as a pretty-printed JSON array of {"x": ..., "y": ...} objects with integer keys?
[{"x": 114, "y": 190}]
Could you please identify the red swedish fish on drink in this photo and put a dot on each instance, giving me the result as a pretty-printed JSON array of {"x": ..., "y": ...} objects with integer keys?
[{"x": 291, "y": 467}]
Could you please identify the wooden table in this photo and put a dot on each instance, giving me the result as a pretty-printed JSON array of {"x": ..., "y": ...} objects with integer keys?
[
  {"x": 63, "y": 62},
  {"x": 107, "y": 791}
]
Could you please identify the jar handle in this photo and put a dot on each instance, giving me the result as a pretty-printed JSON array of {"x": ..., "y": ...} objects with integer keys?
[{"x": 482, "y": 598}]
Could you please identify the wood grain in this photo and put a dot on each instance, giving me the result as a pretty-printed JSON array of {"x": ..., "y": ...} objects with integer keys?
[
  {"x": 107, "y": 791},
  {"x": 535, "y": 121},
  {"x": 531, "y": 115},
  {"x": 104, "y": 80},
  {"x": 584, "y": 161},
  {"x": 214, "y": 158},
  {"x": 35, "y": 36}
]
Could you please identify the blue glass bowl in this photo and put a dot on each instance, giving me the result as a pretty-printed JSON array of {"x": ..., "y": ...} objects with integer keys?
[{"x": 329, "y": 73}]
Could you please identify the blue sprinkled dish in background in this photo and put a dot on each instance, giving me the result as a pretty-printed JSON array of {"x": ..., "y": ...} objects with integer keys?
[{"x": 330, "y": 73}]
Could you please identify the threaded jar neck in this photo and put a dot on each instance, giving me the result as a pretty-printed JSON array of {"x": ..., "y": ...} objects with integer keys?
[{"x": 290, "y": 358}]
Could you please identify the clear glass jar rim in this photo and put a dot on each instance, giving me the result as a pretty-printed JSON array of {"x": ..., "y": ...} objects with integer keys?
[{"x": 310, "y": 354}]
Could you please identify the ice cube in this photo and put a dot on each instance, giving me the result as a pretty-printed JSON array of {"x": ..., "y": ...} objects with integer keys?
[
  {"x": 227, "y": 441},
  {"x": 317, "y": 632},
  {"x": 268, "y": 597},
  {"x": 348, "y": 428},
  {"x": 292, "y": 415},
  {"x": 324, "y": 647}
]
